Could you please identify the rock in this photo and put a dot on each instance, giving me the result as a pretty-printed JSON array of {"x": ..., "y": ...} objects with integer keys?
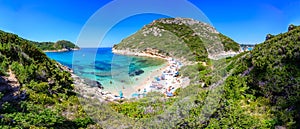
[
  {"x": 93, "y": 83},
  {"x": 136, "y": 72},
  {"x": 105, "y": 92},
  {"x": 2, "y": 81},
  {"x": 23, "y": 95},
  {"x": 269, "y": 36},
  {"x": 291, "y": 27},
  {"x": 280, "y": 127},
  {"x": 50, "y": 81}
]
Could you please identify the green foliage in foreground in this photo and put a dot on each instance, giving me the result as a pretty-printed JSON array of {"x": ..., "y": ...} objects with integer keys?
[
  {"x": 47, "y": 90},
  {"x": 146, "y": 107},
  {"x": 263, "y": 88}
]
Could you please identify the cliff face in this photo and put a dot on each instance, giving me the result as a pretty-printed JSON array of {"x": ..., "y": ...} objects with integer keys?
[{"x": 181, "y": 38}]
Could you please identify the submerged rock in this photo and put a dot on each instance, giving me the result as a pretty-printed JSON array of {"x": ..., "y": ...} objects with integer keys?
[{"x": 136, "y": 72}]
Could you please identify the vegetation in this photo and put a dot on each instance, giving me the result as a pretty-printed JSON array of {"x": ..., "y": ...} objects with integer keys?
[
  {"x": 228, "y": 43},
  {"x": 43, "y": 95},
  {"x": 255, "y": 89},
  {"x": 59, "y": 45},
  {"x": 146, "y": 107}
]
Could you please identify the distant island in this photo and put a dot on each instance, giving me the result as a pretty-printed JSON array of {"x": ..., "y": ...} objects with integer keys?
[{"x": 59, "y": 46}]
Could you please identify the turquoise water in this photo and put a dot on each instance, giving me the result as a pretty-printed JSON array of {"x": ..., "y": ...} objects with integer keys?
[{"x": 111, "y": 70}]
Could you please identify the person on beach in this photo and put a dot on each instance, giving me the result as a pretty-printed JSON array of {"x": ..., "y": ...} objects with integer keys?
[
  {"x": 139, "y": 93},
  {"x": 121, "y": 95},
  {"x": 168, "y": 92},
  {"x": 145, "y": 91}
]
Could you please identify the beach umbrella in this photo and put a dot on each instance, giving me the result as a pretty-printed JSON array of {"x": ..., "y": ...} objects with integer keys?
[{"x": 121, "y": 94}]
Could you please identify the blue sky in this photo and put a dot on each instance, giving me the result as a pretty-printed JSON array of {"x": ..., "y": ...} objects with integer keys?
[{"x": 242, "y": 20}]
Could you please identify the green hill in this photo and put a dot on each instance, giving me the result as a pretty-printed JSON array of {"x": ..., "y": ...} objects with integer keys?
[
  {"x": 61, "y": 45},
  {"x": 181, "y": 38},
  {"x": 34, "y": 90}
]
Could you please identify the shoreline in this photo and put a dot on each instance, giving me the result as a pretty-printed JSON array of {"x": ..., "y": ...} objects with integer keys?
[
  {"x": 145, "y": 82},
  {"x": 62, "y": 50},
  {"x": 86, "y": 90},
  {"x": 175, "y": 82},
  {"x": 142, "y": 54}
]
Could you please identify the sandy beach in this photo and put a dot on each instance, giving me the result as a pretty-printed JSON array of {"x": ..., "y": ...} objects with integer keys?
[{"x": 147, "y": 84}]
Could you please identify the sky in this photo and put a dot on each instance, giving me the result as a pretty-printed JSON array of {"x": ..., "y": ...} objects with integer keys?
[{"x": 242, "y": 20}]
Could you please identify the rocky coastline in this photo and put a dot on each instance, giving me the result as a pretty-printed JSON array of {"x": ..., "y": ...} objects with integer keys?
[
  {"x": 90, "y": 89},
  {"x": 62, "y": 50},
  {"x": 147, "y": 53}
]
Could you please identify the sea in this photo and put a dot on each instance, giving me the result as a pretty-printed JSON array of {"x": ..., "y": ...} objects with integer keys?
[{"x": 113, "y": 71}]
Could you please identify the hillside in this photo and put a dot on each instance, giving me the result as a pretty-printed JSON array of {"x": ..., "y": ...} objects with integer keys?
[
  {"x": 182, "y": 38},
  {"x": 61, "y": 45},
  {"x": 260, "y": 90},
  {"x": 34, "y": 90}
]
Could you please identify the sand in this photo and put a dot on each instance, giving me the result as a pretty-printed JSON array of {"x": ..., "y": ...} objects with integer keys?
[{"x": 175, "y": 82}]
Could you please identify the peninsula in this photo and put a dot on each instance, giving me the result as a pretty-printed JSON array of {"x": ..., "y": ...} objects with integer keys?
[{"x": 59, "y": 46}]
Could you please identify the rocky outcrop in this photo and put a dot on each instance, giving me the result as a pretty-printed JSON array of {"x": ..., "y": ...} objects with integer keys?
[
  {"x": 90, "y": 89},
  {"x": 269, "y": 36},
  {"x": 189, "y": 22},
  {"x": 93, "y": 83},
  {"x": 291, "y": 27},
  {"x": 136, "y": 72},
  {"x": 149, "y": 52},
  {"x": 86, "y": 91}
]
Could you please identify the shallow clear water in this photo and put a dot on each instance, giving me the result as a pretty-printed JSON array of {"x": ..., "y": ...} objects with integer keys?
[{"x": 109, "y": 69}]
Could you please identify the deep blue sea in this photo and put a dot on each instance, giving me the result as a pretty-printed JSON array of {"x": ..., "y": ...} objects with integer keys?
[{"x": 111, "y": 70}]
